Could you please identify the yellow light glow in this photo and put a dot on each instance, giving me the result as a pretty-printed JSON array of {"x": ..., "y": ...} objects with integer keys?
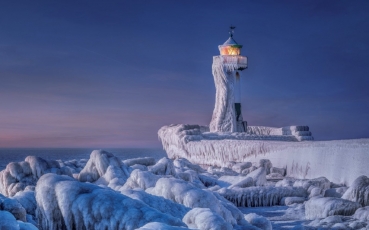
[{"x": 229, "y": 50}]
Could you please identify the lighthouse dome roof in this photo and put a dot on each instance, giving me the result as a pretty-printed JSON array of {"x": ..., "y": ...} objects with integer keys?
[{"x": 231, "y": 42}]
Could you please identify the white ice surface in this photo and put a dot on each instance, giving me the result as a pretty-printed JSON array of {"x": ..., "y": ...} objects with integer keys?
[
  {"x": 141, "y": 179},
  {"x": 258, "y": 221},
  {"x": 157, "y": 202},
  {"x": 18, "y": 175},
  {"x": 260, "y": 196},
  {"x": 147, "y": 161},
  {"x": 205, "y": 219},
  {"x": 321, "y": 207},
  {"x": 224, "y": 114},
  {"x": 358, "y": 191},
  {"x": 66, "y": 203},
  {"x": 341, "y": 161},
  {"x": 103, "y": 168},
  {"x": 191, "y": 196},
  {"x": 13, "y": 206}
]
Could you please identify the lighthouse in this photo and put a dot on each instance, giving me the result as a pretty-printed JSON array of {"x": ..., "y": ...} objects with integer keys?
[{"x": 227, "y": 67}]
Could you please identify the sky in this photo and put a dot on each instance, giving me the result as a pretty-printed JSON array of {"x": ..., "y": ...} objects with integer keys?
[{"x": 111, "y": 73}]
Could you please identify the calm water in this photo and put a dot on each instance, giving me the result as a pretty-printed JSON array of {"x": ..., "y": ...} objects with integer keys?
[{"x": 16, "y": 155}]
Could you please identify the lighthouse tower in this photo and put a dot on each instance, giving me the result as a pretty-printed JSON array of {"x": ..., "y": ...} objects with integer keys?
[{"x": 227, "y": 67}]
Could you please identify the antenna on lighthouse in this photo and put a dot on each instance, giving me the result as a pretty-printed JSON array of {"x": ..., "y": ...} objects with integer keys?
[{"x": 231, "y": 31}]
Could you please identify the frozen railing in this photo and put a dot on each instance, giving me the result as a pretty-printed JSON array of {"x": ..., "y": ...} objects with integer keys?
[{"x": 231, "y": 62}]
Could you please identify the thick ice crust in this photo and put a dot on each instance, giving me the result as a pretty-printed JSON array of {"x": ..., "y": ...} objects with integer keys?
[
  {"x": 321, "y": 207},
  {"x": 261, "y": 196},
  {"x": 64, "y": 203},
  {"x": 340, "y": 161}
]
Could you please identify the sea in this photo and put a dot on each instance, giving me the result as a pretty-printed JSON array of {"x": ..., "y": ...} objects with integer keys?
[{"x": 8, "y": 155}]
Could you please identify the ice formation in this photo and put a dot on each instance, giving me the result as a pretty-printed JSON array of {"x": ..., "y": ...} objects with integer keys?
[
  {"x": 358, "y": 191},
  {"x": 157, "y": 202},
  {"x": 362, "y": 214},
  {"x": 260, "y": 196},
  {"x": 64, "y": 203},
  {"x": 292, "y": 200},
  {"x": 173, "y": 194},
  {"x": 205, "y": 219},
  {"x": 224, "y": 115},
  {"x": 141, "y": 179},
  {"x": 258, "y": 221},
  {"x": 164, "y": 166},
  {"x": 14, "y": 207},
  {"x": 300, "y": 159},
  {"x": 321, "y": 207},
  {"x": 147, "y": 161},
  {"x": 104, "y": 168},
  {"x": 18, "y": 175},
  {"x": 159, "y": 226},
  {"x": 190, "y": 196}
]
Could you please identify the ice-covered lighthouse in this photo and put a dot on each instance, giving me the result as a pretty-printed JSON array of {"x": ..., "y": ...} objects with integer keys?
[{"x": 227, "y": 67}]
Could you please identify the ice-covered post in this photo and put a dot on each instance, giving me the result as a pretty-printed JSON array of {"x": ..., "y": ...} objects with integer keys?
[{"x": 227, "y": 67}]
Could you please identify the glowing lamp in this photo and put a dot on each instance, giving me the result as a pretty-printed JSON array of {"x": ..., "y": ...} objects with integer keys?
[{"x": 230, "y": 47}]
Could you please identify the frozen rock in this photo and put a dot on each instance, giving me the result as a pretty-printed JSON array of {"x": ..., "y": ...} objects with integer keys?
[
  {"x": 249, "y": 170},
  {"x": 332, "y": 220},
  {"x": 14, "y": 207},
  {"x": 287, "y": 181},
  {"x": 339, "y": 226},
  {"x": 159, "y": 226},
  {"x": 321, "y": 207},
  {"x": 274, "y": 176},
  {"x": 190, "y": 196},
  {"x": 362, "y": 214},
  {"x": 140, "y": 179},
  {"x": 266, "y": 164},
  {"x": 164, "y": 166},
  {"x": 260, "y": 196},
  {"x": 223, "y": 171},
  {"x": 258, "y": 176},
  {"x": 103, "y": 168},
  {"x": 184, "y": 165},
  {"x": 8, "y": 222},
  {"x": 64, "y": 203},
  {"x": 315, "y": 191},
  {"x": 358, "y": 191},
  {"x": 258, "y": 221},
  {"x": 247, "y": 182},
  {"x": 238, "y": 167},
  {"x": 357, "y": 225},
  {"x": 18, "y": 175},
  {"x": 335, "y": 192},
  {"x": 205, "y": 219},
  {"x": 147, "y": 161},
  {"x": 158, "y": 203},
  {"x": 208, "y": 179},
  {"x": 292, "y": 200},
  {"x": 225, "y": 181},
  {"x": 140, "y": 167},
  {"x": 309, "y": 184},
  {"x": 281, "y": 171},
  {"x": 27, "y": 200}
]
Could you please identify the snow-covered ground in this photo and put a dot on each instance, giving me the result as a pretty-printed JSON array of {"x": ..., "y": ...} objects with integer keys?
[
  {"x": 143, "y": 193},
  {"x": 341, "y": 161}
]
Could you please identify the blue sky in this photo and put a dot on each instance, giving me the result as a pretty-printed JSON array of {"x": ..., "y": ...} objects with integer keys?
[{"x": 111, "y": 73}]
